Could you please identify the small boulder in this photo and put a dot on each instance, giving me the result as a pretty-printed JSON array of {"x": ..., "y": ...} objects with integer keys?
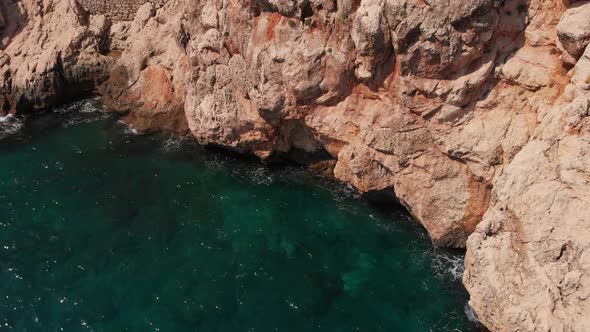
[{"x": 573, "y": 29}]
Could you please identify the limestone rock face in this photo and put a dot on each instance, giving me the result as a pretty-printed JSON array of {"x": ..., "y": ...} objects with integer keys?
[
  {"x": 474, "y": 114},
  {"x": 527, "y": 263},
  {"x": 573, "y": 30},
  {"x": 527, "y": 266},
  {"x": 50, "y": 51},
  {"x": 466, "y": 123},
  {"x": 358, "y": 80},
  {"x": 148, "y": 77}
]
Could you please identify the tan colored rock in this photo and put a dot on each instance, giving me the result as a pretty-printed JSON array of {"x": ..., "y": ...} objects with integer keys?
[
  {"x": 148, "y": 80},
  {"x": 209, "y": 16},
  {"x": 259, "y": 84},
  {"x": 370, "y": 35},
  {"x": 56, "y": 56},
  {"x": 573, "y": 29},
  {"x": 440, "y": 126},
  {"x": 365, "y": 130},
  {"x": 527, "y": 264}
]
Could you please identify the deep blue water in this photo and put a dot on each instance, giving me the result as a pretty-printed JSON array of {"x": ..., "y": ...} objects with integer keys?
[{"x": 103, "y": 230}]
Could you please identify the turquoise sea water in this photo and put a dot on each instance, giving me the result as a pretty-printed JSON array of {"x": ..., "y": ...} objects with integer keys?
[{"x": 103, "y": 230}]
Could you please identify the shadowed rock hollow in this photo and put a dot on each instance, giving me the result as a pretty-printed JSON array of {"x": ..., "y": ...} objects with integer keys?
[{"x": 473, "y": 114}]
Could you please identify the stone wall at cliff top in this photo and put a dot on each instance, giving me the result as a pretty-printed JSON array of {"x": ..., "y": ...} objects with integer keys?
[{"x": 117, "y": 10}]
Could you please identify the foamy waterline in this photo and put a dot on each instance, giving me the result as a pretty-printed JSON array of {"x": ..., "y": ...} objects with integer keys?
[{"x": 9, "y": 125}]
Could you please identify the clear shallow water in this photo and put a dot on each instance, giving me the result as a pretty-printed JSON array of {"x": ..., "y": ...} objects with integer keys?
[{"x": 106, "y": 231}]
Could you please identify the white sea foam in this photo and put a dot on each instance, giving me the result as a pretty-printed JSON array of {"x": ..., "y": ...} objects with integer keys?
[
  {"x": 9, "y": 125},
  {"x": 471, "y": 315},
  {"x": 79, "y": 113},
  {"x": 172, "y": 144},
  {"x": 447, "y": 265},
  {"x": 88, "y": 106},
  {"x": 81, "y": 106},
  {"x": 175, "y": 143},
  {"x": 81, "y": 119},
  {"x": 129, "y": 130},
  {"x": 261, "y": 175},
  {"x": 342, "y": 193}
]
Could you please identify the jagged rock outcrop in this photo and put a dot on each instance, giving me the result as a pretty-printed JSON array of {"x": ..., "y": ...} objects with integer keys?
[
  {"x": 50, "y": 52},
  {"x": 474, "y": 114},
  {"x": 528, "y": 262},
  {"x": 148, "y": 78},
  {"x": 573, "y": 31},
  {"x": 343, "y": 78}
]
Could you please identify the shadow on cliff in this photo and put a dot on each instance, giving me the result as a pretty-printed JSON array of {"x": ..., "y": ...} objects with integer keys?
[{"x": 12, "y": 22}]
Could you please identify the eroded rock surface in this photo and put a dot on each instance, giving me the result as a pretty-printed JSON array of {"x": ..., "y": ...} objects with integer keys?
[
  {"x": 474, "y": 114},
  {"x": 50, "y": 51},
  {"x": 573, "y": 31},
  {"x": 148, "y": 78},
  {"x": 362, "y": 81}
]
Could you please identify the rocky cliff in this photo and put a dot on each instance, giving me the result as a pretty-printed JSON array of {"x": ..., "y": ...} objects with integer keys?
[{"x": 473, "y": 114}]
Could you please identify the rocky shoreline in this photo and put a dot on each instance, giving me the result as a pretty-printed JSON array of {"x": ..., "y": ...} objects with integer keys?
[{"x": 473, "y": 114}]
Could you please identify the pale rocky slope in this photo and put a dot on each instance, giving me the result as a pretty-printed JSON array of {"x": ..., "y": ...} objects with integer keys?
[
  {"x": 49, "y": 53},
  {"x": 473, "y": 113}
]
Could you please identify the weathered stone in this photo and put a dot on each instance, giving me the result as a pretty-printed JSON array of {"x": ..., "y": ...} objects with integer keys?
[
  {"x": 69, "y": 62},
  {"x": 148, "y": 80},
  {"x": 118, "y": 10},
  {"x": 581, "y": 72},
  {"x": 573, "y": 29}
]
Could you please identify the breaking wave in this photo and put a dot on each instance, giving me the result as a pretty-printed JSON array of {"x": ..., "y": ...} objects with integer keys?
[
  {"x": 175, "y": 143},
  {"x": 471, "y": 315},
  {"x": 81, "y": 112},
  {"x": 128, "y": 130},
  {"x": 9, "y": 125},
  {"x": 81, "y": 106},
  {"x": 447, "y": 265},
  {"x": 260, "y": 176}
]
